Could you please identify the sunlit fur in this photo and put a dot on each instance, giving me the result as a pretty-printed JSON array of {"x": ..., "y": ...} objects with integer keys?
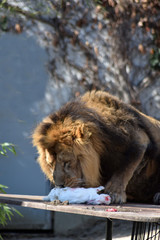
[{"x": 98, "y": 140}]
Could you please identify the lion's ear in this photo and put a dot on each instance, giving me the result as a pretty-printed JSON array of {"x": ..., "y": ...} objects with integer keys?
[
  {"x": 45, "y": 163},
  {"x": 81, "y": 133},
  {"x": 49, "y": 159}
]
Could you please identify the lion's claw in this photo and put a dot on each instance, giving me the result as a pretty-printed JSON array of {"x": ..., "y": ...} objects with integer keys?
[{"x": 118, "y": 198}]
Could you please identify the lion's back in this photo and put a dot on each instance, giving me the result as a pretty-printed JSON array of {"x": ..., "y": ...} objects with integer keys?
[{"x": 113, "y": 111}]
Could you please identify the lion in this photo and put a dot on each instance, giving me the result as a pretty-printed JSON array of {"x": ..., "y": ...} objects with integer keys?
[{"x": 97, "y": 140}]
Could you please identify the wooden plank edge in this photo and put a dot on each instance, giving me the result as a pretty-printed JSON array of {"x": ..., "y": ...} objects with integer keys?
[
  {"x": 18, "y": 196},
  {"x": 77, "y": 209}
]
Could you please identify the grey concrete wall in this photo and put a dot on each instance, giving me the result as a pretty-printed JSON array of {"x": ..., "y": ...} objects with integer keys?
[{"x": 23, "y": 78}]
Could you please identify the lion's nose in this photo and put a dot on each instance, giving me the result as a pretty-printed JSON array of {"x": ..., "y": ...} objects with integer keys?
[
  {"x": 58, "y": 181},
  {"x": 58, "y": 175}
]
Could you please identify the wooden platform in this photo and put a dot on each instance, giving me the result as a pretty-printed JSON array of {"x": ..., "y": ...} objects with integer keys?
[{"x": 129, "y": 212}]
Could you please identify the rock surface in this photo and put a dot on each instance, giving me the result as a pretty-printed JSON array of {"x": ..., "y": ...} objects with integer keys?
[{"x": 85, "y": 52}]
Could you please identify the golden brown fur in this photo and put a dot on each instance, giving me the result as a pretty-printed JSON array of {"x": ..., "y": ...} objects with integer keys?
[{"x": 98, "y": 140}]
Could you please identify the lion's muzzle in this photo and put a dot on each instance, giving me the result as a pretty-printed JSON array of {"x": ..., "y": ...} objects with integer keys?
[{"x": 58, "y": 175}]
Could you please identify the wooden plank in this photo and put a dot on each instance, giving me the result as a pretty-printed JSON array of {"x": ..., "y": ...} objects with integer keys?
[
  {"x": 130, "y": 212},
  {"x": 26, "y": 197}
]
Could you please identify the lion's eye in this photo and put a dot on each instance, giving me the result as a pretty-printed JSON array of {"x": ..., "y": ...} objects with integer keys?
[{"x": 54, "y": 155}]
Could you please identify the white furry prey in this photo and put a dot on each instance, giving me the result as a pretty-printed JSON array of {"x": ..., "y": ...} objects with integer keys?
[{"x": 79, "y": 195}]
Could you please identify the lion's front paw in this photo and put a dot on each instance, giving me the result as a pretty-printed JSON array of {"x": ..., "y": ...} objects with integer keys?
[
  {"x": 118, "y": 198},
  {"x": 116, "y": 192}
]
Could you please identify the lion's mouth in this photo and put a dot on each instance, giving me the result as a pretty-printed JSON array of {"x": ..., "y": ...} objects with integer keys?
[{"x": 59, "y": 186}]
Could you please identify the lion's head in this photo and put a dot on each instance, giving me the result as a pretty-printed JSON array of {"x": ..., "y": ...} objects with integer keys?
[{"x": 68, "y": 153}]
